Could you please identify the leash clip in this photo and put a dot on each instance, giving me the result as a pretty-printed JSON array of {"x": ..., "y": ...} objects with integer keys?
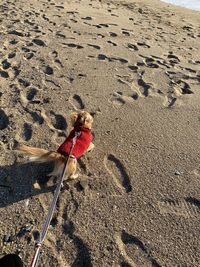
[{"x": 77, "y": 134}]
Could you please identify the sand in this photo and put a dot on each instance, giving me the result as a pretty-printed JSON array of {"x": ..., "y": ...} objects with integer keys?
[{"x": 135, "y": 65}]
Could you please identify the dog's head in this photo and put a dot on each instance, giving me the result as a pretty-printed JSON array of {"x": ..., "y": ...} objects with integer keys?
[{"x": 82, "y": 118}]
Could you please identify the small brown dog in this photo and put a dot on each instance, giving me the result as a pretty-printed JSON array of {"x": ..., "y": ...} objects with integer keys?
[{"x": 82, "y": 123}]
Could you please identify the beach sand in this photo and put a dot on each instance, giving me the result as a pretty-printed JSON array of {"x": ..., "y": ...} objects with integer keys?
[{"x": 135, "y": 65}]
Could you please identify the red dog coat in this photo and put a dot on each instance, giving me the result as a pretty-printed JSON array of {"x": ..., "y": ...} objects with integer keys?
[{"x": 82, "y": 142}]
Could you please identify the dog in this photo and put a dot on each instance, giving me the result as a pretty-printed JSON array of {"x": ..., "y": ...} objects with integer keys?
[{"x": 82, "y": 127}]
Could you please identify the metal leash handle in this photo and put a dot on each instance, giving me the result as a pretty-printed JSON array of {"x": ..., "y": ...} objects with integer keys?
[{"x": 52, "y": 208}]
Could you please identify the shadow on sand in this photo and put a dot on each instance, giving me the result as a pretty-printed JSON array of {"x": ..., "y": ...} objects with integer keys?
[
  {"x": 16, "y": 184},
  {"x": 83, "y": 258},
  {"x": 16, "y": 181}
]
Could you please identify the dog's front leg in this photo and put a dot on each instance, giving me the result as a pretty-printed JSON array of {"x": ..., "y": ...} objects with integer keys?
[
  {"x": 91, "y": 147},
  {"x": 57, "y": 170}
]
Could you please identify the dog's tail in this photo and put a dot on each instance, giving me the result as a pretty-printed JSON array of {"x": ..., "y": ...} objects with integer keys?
[
  {"x": 38, "y": 154},
  {"x": 43, "y": 155}
]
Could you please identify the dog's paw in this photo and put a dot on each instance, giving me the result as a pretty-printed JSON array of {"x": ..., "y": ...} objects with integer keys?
[
  {"x": 73, "y": 176},
  {"x": 91, "y": 147}
]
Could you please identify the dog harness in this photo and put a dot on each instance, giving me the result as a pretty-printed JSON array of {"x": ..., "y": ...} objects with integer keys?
[{"x": 82, "y": 142}]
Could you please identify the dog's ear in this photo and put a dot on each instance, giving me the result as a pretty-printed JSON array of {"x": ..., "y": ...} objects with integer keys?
[
  {"x": 73, "y": 117},
  {"x": 88, "y": 121},
  {"x": 89, "y": 118}
]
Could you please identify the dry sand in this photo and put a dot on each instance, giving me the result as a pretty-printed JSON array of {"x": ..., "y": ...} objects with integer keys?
[{"x": 136, "y": 66}]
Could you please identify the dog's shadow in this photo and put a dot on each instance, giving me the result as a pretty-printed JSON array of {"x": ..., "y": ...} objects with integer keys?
[{"x": 17, "y": 181}]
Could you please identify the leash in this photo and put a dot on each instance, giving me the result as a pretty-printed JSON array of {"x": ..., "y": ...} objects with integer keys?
[{"x": 47, "y": 222}]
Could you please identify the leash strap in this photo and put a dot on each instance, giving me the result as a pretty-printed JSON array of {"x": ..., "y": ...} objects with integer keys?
[{"x": 52, "y": 208}]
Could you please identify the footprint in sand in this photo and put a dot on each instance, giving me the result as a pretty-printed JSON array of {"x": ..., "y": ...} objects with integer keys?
[
  {"x": 169, "y": 101},
  {"x": 77, "y": 102},
  {"x": 18, "y": 33},
  {"x": 134, "y": 251},
  {"x": 112, "y": 14},
  {"x": 173, "y": 59},
  {"x": 45, "y": 17},
  {"x": 56, "y": 58},
  {"x": 11, "y": 55},
  {"x": 5, "y": 64},
  {"x": 29, "y": 97},
  {"x": 59, "y": 34},
  {"x": 4, "y": 120},
  {"x": 113, "y": 34},
  {"x": 58, "y": 121},
  {"x": 37, "y": 118},
  {"x": 150, "y": 62},
  {"x": 118, "y": 172},
  {"x": 48, "y": 70},
  {"x": 31, "y": 93},
  {"x": 87, "y": 18},
  {"x": 13, "y": 42},
  {"x": 73, "y": 20},
  {"x": 72, "y": 45},
  {"x": 133, "y": 68},
  {"x": 132, "y": 47},
  {"x": 125, "y": 32},
  {"x": 71, "y": 242},
  {"x": 121, "y": 60},
  {"x": 94, "y": 46},
  {"x": 27, "y": 131},
  {"x": 99, "y": 26},
  {"x": 87, "y": 23},
  {"x": 188, "y": 207},
  {"x": 38, "y": 42},
  {"x": 119, "y": 98},
  {"x": 185, "y": 88},
  {"x": 105, "y": 25},
  {"x": 134, "y": 92},
  {"x": 178, "y": 88},
  {"x": 140, "y": 64},
  {"x": 192, "y": 71},
  {"x": 23, "y": 82},
  {"x": 4, "y": 74},
  {"x": 54, "y": 121},
  {"x": 145, "y": 87},
  {"x": 112, "y": 43},
  {"x": 29, "y": 55},
  {"x": 60, "y": 7},
  {"x": 143, "y": 44},
  {"x": 142, "y": 89},
  {"x": 160, "y": 61},
  {"x": 102, "y": 57},
  {"x": 175, "y": 76},
  {"x": 111, "y": 59}
]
